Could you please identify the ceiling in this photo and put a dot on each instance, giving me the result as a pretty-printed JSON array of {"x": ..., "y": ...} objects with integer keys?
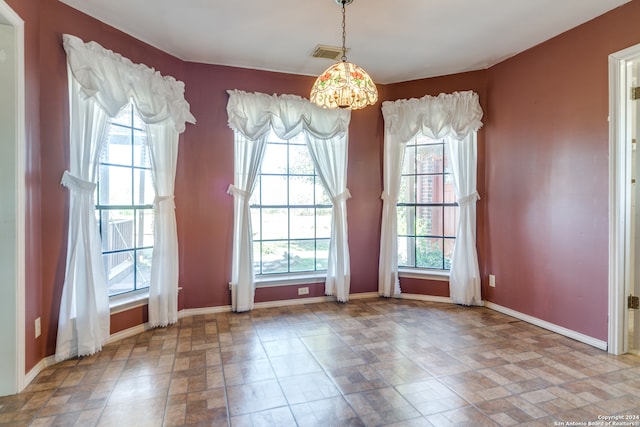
[{"x": 397, "y": 40}]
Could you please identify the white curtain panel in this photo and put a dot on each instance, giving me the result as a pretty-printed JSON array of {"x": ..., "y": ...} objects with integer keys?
[
  {"x": 101, "y": 82},
  {"x": 252, "y": 116},
  {"x": 162, "y": 139},
  {"x": 247, "y": 158},
  {"x": 83, "y": 324},
  {"x": 330, "y": 158},
  {"x": 464, "y": 278},
  {"x": 456, "y": 116},
  {"x": 388, "y": 280}
]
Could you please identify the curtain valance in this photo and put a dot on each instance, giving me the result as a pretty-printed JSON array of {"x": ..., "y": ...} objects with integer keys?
[
  {"x": 455, "y": 115},
  {"x": 113, "y": 80},
  {"x": 254, "y": 114}
]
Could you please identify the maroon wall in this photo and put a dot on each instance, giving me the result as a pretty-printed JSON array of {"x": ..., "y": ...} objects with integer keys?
[
  {"x": 542, "y": 219},
  {"x": 204, "y": 210},
  {"x": 477, "y": 82},
  {"x": 546, "y": 175},
  {"x": 47, "y": 139}
]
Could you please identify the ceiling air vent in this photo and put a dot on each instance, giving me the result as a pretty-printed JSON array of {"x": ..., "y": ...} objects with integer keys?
[{"x": 327, "y": 52}]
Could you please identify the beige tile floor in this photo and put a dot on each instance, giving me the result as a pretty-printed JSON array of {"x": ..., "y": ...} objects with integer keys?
[{"x": 369, "y": 362}]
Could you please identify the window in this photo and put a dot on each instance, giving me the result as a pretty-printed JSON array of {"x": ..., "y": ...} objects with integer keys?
[
  {"x": 290, "y": 211},
  {"x": 427, "y": 210},
  {"x": 124, "y": 204}
]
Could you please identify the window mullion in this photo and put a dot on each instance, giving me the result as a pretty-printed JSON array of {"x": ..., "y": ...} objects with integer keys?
[
  {"x": 425, "y": 188},
  {"x": 122, "y": 225}
]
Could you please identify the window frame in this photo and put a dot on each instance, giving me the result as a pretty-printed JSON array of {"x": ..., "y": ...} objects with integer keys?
[
  {"x": 138, "y": 293},
  {"x": 288, "y": 277},
  {"x": 415, "y": 271}
]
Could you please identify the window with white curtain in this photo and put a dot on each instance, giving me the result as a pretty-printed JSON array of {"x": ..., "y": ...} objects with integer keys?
[
  {"x": 427, "y": 209},
  {"x": 124, "y": 203},
  {"x": 290, "y": 211}
]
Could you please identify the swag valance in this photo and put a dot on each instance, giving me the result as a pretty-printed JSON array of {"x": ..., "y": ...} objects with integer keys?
[
  {"x": 112, "y": 80},
  {"x": 448, "y": 114},
  {"x": 255, "y": 114}
]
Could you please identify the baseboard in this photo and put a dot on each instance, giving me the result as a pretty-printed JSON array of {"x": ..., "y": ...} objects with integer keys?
[
  {"x": 602, "y": 345},
  {"x": 127, "y": 333},
  {"x": 272, "y": 304},
  {"x": 364, "y": 295},
  {"x": 40, "y": 366},
  {"x": 204, "y": 310},
  {"x": 428, "y": 298}
]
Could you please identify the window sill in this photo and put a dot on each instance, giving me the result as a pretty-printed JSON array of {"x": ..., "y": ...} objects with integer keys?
[
  {"x": 129, "y": 300},
  {"x": 417, "y": 273},
  {"x": 289, "y": 279}
]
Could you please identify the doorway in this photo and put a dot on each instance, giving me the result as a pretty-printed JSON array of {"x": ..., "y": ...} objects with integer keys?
[
  {"x": 633, "y": 288},
  {"x": 624, "y": 202},
  {"x": 12, "y": 194}
]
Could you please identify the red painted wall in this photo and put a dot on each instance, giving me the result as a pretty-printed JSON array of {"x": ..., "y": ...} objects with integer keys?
[
  {"x": 477, "y": 82},
  {"x": 205, "y": 169},
  {"x": 546, "y": 175},
  {"x": 542, "y": 219},
  {"x": 204, "y": 210},
  {"x": 48, "y": 152}
]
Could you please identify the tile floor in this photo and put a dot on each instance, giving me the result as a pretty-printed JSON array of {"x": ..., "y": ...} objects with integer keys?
[{"x": 366, "y": 363}]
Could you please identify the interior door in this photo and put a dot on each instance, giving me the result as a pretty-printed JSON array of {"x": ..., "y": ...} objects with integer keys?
[
  {"x": 633, "y": 118},
  {"x": 7, "y": 211}
]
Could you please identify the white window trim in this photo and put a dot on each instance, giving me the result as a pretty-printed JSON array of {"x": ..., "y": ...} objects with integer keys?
[
  {"x": 423, "y": 273},
  {"x": 265, "y": 281}
]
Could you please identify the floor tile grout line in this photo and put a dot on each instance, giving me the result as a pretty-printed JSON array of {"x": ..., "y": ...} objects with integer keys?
[
  {"x": 324, "y": 370},
  {"x": 224, "y": 379},
  {"x": 288, "y": 406},
  {"x": 344, "y": 395},
  {"x": 593, "y": 368}
]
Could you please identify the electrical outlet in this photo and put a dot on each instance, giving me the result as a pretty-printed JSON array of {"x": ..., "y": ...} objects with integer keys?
[
  {"x": 303, "y": 291},
  {"x": 492, "y": 280},
  {"x": 38, "y": 328}
]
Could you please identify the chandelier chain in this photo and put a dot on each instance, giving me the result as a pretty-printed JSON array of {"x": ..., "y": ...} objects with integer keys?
[{"x": 344, "y": 32}]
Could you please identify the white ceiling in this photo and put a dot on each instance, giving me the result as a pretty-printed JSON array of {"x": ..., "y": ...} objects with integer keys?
[{"x": 394, "y": 40}]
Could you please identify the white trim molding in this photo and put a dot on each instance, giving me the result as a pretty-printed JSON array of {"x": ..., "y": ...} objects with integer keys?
[
  {"x": 40, "y": 366},
  {"x": 602, "y": 345},
  {"x": 424, "y": 274},
  {"x": 619, "y": 199},
  {"x": 128, "y": 333},
  {"x": 14, "y": 20},
  {"x": 272, "y": 304},
  {"x": 428, "y": 298}
]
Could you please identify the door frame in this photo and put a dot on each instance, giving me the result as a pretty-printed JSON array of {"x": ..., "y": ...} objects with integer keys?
[
  {"x": 14, "y": 20},
  {"x": 619, "y": 200}
]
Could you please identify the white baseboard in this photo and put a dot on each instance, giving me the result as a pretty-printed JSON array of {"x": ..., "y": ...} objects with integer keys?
[
  {"x": 602, "y": 345},
  {"x": 41, "y": 366},
  {"x": 364, "y": 295},
  {"x": 204, "y": 310},
  {"x": 127, "y": 333},
  {"x": 428, "y": 298},
  {"x": 272, "y": 304}
]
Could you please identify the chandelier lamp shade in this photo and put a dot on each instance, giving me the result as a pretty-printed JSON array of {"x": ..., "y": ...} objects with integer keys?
[{"x": 344, "y": 84}]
